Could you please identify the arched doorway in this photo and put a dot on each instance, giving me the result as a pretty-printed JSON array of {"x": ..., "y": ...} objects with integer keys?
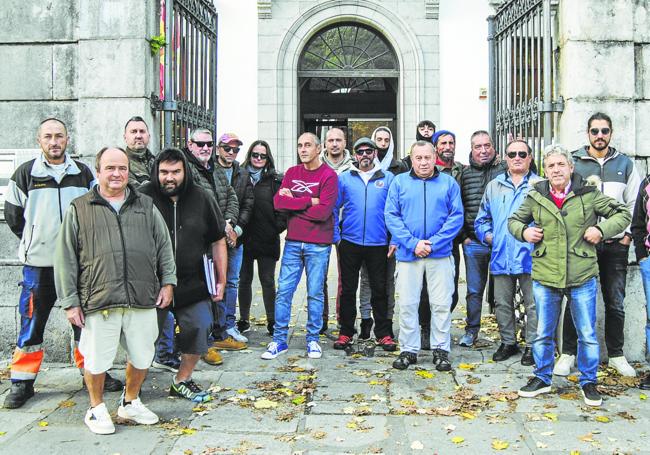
[{"x": 348, "y": 78}]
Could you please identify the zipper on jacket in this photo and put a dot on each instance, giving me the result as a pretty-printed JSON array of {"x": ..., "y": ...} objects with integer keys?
[
  {"x": 60, "y": 209},
  {"x": 365, "y": 206},
  {"x": 175, "y": 245},
  {"x": 31, "y": 240},
  {"x": 126, "y": 272},
  {"x": 424, "y": 182}
]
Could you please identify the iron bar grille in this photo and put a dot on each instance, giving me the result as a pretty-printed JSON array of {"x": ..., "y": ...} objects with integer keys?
[
  {"x": 193, "y": 69},
  {"x": 522, "y": 81}
]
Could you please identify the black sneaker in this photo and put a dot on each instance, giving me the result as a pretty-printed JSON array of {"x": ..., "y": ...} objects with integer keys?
[
  {"x": 111, "y": 384},
  {"x": 19, "y": 394},
  {"x": 425, "y": 339},
  {"x": 534, "y": 387},
  {"x": 644, "y": 384},
  {"x": 366, "y": 329},
  {"x": 591, "y": 395},
  {"x": 243, "y": 326},
  {"x": 404, "y": 360},
  {"x": 168, "y": 362},
  {"x": 441, "y": 360},
  {"x": 504, "y": 352},
  {"x": 527, "y": 358},
  {"x": 189, "y": 390}
]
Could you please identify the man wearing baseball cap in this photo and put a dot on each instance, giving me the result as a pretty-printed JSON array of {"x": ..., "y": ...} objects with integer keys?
[
  {"x": 363, "y": 240},
  {"x": 239, "y": 178}
]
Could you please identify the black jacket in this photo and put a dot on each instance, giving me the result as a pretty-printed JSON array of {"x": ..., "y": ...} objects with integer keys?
[
  {"x": 473, "y": 181},
  {"x": 262, "y": 236},
  {"x": 194, "y": 223},
  {"x": 241, "y": 183}
]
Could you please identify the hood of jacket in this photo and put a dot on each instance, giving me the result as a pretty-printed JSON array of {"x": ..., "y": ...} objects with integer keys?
[
  {"x": 187, "y": 181},
  {"x": 345, "y": 163}
]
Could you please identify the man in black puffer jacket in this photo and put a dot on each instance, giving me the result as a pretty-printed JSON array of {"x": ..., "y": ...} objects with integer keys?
[
  {"x": 195, "y": 225},
  {"x": 484, "y": 165}
]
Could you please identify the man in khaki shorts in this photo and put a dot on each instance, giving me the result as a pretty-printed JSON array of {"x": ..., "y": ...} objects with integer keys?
[{"x": 113, "y": 266}]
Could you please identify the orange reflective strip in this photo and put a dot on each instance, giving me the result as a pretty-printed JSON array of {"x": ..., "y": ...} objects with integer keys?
[
  {"x": 78, "y": 358},
  {"x": 30, "y": 308},
  {"x": 27, "y": 362}
]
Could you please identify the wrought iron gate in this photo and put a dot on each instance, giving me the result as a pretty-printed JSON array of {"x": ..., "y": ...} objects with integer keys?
[
  {"x": 523, "y": 69},
  {"x": 189, "y": 92}
]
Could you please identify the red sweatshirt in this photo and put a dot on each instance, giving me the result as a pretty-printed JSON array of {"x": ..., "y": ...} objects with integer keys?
[{"x": 309, "y": 223}]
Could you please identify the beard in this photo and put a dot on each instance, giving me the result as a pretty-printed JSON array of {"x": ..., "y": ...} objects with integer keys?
[
  {"x": 168, "y": 190},
  {"x": 600, "y": 145},
  {"x": 446, "y": 157}
]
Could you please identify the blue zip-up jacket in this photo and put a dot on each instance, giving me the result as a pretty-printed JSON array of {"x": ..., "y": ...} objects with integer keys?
[
  {"x": 363, "y": 206},
  {"x": 423, "y": 209},
  {"x": 500, "y": 200}
]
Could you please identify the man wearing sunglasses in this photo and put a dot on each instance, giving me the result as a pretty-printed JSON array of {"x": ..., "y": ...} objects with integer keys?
[
  {"x": 619, "y": 180},
  {"x": 363, "y": 241},
  {"x": 239, "y": 178},
  {"x": 510, "y": 259}
]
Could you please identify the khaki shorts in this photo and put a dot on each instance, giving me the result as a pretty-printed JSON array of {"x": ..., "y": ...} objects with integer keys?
[{"x": 135, "y": 330}]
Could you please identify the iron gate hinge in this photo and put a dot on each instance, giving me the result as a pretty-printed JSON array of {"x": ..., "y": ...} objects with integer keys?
[
  {"x": 555, "y": 106},
  {"x": 162, "y": 105}
]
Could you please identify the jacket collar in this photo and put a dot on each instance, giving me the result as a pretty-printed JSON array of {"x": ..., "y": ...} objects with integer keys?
[
  {"x": 379, "y": 173},
  {"x": 97, "y": 198},
  {"x": 435, "y": 174},
  {"x": 583, "y": 153},
  {"x": 40, "y": 167},
  {"x": 578, "y": 187}
]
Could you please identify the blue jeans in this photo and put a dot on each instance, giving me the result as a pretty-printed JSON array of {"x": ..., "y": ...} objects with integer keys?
[
  {"x": 165, "y": 343},
  {"x": 581, "y": 300},
  {"x": 644, "y": 266},
  {"x": 227, "y": 308},
  {"x": 313, "y": 257},
  {"x": 477, "y": 264}
]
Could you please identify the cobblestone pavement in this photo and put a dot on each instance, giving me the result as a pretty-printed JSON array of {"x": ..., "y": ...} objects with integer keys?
[{"x": 342, "y": 403}]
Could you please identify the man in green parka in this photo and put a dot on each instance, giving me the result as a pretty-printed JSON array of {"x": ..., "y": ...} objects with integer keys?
[{"x": 565, "y": 218}]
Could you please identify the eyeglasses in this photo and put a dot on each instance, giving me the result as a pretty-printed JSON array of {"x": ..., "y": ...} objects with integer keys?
[
  {"x": 365, "y": 151},
  {"x": 512, "y": 155},
  {"x": 259, "y": 156},
  {"x": 201, "y": 144},
  {"x": 604, "y": 131},
  {"x": 229, "y": 149}
]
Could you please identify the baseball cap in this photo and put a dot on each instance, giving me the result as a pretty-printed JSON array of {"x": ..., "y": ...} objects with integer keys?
[
  {"x": 364, "y": 141},
  {"x": 227, "y": 138}
]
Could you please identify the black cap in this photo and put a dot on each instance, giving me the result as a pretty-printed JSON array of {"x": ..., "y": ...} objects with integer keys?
[{"x": 364, "y": 141}]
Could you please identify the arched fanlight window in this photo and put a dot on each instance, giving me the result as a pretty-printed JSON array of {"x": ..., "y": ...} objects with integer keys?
[{"x": 347, "y": 57}]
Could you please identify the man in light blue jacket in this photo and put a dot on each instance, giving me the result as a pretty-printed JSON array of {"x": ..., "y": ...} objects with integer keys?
[
  {"x": 424, "y": 213},
  {"x": 510, "y": 261}
]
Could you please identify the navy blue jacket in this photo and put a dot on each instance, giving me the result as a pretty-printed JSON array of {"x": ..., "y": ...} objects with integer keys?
[
  {"x": 362, "y": 220},
  {"x": 423, "y": 209}
]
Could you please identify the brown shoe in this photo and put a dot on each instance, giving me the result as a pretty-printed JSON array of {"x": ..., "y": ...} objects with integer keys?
[
  {"x": 212, "y": 357},
  {"x": 229, "y": 344}
]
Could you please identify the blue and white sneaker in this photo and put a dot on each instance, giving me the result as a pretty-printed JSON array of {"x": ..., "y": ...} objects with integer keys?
[
  {"x": 313, "y": 350},
  {"x": 274, "y": 349}
]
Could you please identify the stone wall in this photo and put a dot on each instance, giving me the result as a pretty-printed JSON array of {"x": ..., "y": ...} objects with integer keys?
[{"x": 87, "y": 62}]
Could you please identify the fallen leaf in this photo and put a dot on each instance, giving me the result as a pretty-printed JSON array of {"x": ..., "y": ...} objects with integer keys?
[
  {"x": 67, "y": 404},
  {"x": 318, "y": 434},
  {"x": 569, "y": 396},
  {"x": 575, "y": 452},
  {"x": 467, "y": 366},
  {"x": 498, "y": 444},
  {"x": 265, "y": 404},
  {"x": 424, "y": 374},
  {"x": 587, "y": 437},
  {"x": 467, "y": 415},
  {"x": 457, "y": 439},
  {"x": 643, "y": 396},
  {"x": 2, "y": 433},
  {"x": 417, "y": 445},
  {"x": 407, "y": 402},
  {"x": 602, "y": 419},
  {"x": 573, "y": 378},
  {"x": 43, "y": 423},
  {"x": 548, "y": 433},
  {"x": 188, "y": 431},
  {"x": 550, "y": 416},
  {"x": 299, "y": 400}
]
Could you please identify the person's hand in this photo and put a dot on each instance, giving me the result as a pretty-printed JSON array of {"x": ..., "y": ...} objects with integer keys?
[
  {"x": 218, "y": 297},
  {"x": 423, "y": 248},
  {"x": 75, "y": 316},
  {"x": 593, "y": 235},
  {"x": 467, "y": 241},
  {"x": 315, "y": 201},
  {"x": 231, "y": 238},
  {"x": 285, "y": 192},
  {"x": 626, "y": 240},
  {"x": 488, "y": 238},
  {"x": 391, "y": 250},
  {"x": 533, "y": 234},
  {"x": 165, "y": 296}
]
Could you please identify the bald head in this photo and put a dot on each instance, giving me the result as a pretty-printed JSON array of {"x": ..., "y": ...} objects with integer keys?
[{"x": 335, "y": 143}]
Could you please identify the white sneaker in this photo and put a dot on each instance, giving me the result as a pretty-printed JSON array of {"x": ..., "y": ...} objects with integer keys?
[
  {"x": 99, "y": 420},
  {"x": 236, "y": 334},
  {"x": 137, "y": 412},
  {"x": 564, "y": 364},
  {"x": 620, "y": 364},
  {"x": 313, "y": 350}
]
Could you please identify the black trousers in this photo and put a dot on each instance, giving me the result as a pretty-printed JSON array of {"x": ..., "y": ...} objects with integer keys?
[
  {"x": 612, "y": 265},
  {"x": 424, "y": 310},
  {"x": 351, "y": 257},
  {"x": 266, "y": 274}
]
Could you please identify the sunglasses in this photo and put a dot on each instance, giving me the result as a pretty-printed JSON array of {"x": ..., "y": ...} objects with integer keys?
[
  {"x": 521, "y": 155},
  {"x": 229, "y": 149},
  {"x": 259, "y": 156},
  {"x": 202, "y": 144},
  {"x": 595, "y": 131},
  {"x": 365, "y": 151}
]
